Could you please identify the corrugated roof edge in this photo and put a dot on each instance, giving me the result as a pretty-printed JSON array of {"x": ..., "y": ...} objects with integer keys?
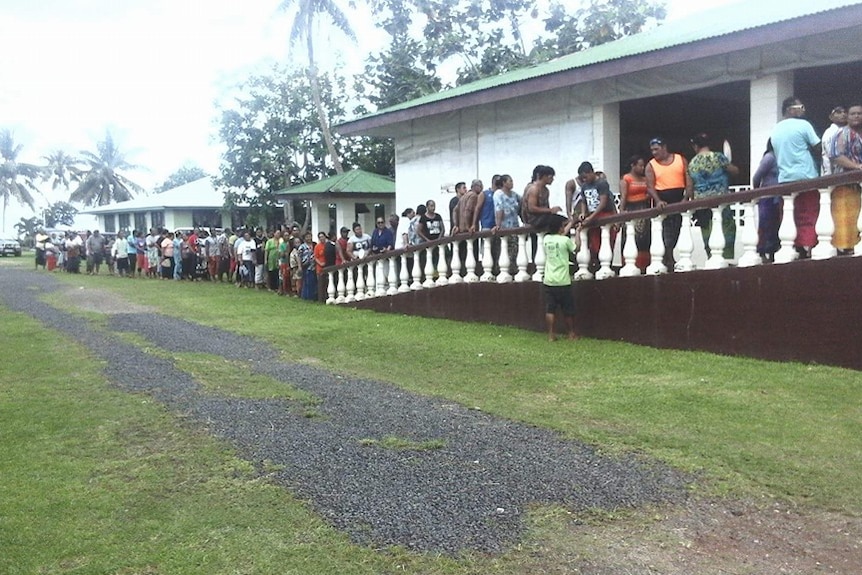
[{"x": 714, "y": 23}]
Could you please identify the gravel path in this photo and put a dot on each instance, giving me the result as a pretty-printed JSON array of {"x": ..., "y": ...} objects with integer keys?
[{"x": 469, "y": 494}]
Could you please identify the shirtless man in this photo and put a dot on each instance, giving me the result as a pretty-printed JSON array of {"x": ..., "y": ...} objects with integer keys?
[
  {"x": 467, "y": 207},
  {"x": 537, "y": 198}
]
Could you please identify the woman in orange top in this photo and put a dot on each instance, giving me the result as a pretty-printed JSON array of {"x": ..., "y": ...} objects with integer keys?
[
  {"x": 633, "y": 197},
  {"x": 668, "y": 182}
]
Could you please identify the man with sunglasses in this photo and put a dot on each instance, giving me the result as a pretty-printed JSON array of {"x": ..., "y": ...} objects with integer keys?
[{"x": 796, "y": 145}]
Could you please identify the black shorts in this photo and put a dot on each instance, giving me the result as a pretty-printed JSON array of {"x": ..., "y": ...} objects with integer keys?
[{"x": 559, "y": 296}]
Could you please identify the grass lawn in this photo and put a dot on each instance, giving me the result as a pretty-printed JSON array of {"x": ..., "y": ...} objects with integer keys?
[{"x": 112, "y": 481}]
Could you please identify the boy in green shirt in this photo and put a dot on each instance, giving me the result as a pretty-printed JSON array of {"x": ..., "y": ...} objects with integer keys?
[{"x": 558, "y": 280}]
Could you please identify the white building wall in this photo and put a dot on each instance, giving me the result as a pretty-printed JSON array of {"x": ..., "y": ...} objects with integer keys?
[{"x": 510, "y": 137}]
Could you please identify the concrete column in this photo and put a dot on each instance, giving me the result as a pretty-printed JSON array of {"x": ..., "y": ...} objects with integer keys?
[
  {"x": 766, "y": 94},
  {"x": 345, "y": 213},
  {"x": 606, "y": 142}
]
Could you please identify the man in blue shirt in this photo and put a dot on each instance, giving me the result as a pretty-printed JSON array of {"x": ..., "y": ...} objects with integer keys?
[{"x": 796, "y": 145}]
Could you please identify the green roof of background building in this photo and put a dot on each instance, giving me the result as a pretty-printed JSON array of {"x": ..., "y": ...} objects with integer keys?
[
  {"x": 351, "y": 182},
  {"x": 708, "y": 24}
]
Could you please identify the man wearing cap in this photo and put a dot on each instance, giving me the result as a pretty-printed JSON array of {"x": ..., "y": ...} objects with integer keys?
[{"x": 668, "y": 182}]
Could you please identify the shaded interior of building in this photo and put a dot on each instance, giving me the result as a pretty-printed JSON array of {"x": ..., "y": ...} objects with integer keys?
[{"x": 724, "y": 111}]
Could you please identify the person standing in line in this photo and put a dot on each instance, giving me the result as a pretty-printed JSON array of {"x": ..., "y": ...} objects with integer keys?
[
  {"x": 537, "y": 198},
  {"x": 846, "y": 155},
  {"x": 668, "y": 182},
  {"x": 95, "y": 251},
  {"x": 120, "y": 250},
  {"x": 710, "y": 174},
  {"x": 132, "y": 252},
  {"x": 634, "y": 197},
  {"x": 460, "y": 190},
  {"x": 558, "y": 278},
  {"x": 166, "y": 266},
  {"x": 770, "y": 208},
  {"x": 796, "y": 145},
  {"x": 507, "y": 206},
  {"x": 838, "y": 117},
  {"x": 596, "y": 203},
  {"x": 271, "y": 260},
  {"x": 178, "y": 256}
]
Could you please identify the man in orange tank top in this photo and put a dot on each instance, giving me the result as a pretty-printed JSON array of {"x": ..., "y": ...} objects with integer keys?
[{"x": 668, "y": 182}]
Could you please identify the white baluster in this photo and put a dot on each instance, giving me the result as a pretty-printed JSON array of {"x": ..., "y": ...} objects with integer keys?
[
  {"x": 656, "y": 247},
  {"x": 417, "y": 274},
  {"x": 351, "y": 284},
  {"x": 716, "y": 259},
  {"x": 404, "y": 276},
  {"x": 539, "y": 274},
  {"x": 857, "y": 251},
  {"x": 380, "y": 278},
  {"x": 630, "y": 252},
  {"x": 456, "y": 278},
  {"x": 685, "y": 244},
  {"x": 487, "y": 261},
  {"x": 342, "y": 285},
  {"x": 786, "y": 233},
  {"x": 606, "y": 255},
  {"x": 470, "y": 264},
  {"x": 360, "y": 281},
  {"x": 504, "y": 276},
  {"x": 392, "y": 276},
  {"x": 749, "y": 256},
  {"x": 370, "y": 280},
  {"x": 825, "y": 228},
  {"x": 429, "y": 266},
  {"x": 330, "y": 288},
  {"x": 442, "y": 271},
  {"x": 522, "y": 261},
  {"x": 583, "y": 257}
]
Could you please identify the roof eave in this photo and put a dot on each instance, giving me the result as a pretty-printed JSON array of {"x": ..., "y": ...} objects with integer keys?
[{"x": 736, "y": 41}]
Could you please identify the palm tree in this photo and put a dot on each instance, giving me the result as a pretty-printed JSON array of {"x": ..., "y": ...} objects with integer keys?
[
  {"x": 102, "y": 183},
  {"x": 61, "y": 169},
  {"x": 302, "y": 28},
  {"x": 16, "y": 178}
]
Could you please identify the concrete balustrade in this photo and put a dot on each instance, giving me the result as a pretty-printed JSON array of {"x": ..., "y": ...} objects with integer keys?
[{"x": 457, "y": 262}]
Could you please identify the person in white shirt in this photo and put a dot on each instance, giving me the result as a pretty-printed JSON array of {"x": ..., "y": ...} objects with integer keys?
[{"x": 838, "y": 116}]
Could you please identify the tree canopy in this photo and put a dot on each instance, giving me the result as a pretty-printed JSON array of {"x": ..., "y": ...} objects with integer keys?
[
  {"x": 103, "y": 182},
  {"x": 17, "y": 179},
  {"x": 183, "y": 175}
]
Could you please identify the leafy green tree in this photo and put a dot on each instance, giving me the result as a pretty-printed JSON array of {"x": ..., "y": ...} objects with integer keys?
[
  {"x": 272, "y": 139},
  {"x": 17, "y": 179},
  {"x": 62, "y": 169},
  {"x": 486, "y": 37},
  {"x": 598, "y": 22},
  {"x": 60, "y": 213},
  {"x": 103, "y": 181},
  {"x": 401, "y": 71},
  {"x": 302, "y": 29},
  {"x": 397, "y": 75},
  {"x": 485, "y": 34},
  {"x": 184, "y": 175}
]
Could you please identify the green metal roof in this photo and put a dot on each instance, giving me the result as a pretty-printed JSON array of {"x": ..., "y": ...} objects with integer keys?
[
  {"x": 705, "y": 25},
  {"x": 352, "y": 182}
]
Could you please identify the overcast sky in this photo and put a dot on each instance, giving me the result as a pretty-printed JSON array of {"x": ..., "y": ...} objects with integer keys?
[{"x": 149, "y": 70}]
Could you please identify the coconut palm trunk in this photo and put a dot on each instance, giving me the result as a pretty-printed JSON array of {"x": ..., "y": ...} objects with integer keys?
[{"x": 318, "y": 104}]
